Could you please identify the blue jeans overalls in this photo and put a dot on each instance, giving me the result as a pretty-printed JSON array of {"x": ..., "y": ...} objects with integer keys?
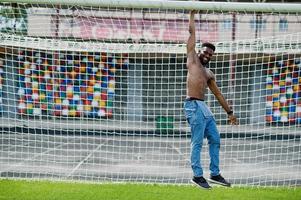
[{"x": 203, "y": 125}]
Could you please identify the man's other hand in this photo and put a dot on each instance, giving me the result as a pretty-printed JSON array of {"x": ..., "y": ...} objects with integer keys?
[{"x": 232, "y": 120}]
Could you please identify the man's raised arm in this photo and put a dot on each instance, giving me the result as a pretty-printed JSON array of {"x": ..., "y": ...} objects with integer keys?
[{"x": 191, "y": 39}]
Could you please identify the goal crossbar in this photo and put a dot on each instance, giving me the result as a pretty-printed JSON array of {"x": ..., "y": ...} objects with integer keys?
[{"x": 183, "y": 5}]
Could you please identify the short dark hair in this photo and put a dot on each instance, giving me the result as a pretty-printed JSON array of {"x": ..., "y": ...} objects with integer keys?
[{"x": 208, "y": 44}]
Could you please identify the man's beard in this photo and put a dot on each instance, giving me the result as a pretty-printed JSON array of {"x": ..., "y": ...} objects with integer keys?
[{"x": 203, "y": 62}]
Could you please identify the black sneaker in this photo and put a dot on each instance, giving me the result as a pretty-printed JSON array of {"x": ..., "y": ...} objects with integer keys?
[
  {"x": 201, "y": 182},
  {"x": 219, "y": 180}
]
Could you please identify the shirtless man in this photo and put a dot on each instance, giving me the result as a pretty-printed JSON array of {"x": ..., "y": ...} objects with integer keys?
[{"x": 198, "y": 114}]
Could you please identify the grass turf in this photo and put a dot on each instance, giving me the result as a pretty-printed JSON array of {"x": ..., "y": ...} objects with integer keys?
[{"x": 44, "y": 190}]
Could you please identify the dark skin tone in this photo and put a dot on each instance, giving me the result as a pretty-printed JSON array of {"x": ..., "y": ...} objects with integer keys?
[{"x": 199, "y": 77}]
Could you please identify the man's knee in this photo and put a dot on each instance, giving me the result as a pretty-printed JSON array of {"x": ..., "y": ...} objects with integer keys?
[
  {"x": 214, "y": 140},
  {"x": 196, "y": 145}
]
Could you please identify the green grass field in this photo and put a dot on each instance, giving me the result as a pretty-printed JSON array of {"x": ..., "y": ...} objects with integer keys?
[{"x": 43, "y": 190}]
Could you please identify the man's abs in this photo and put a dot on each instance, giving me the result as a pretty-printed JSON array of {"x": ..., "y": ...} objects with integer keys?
[{"x": 196, "y": 87}]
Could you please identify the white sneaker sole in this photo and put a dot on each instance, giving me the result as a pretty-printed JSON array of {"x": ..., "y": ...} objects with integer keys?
[
  {"x": 219, "y": 183},
  {"x": 199, "y": 185}
]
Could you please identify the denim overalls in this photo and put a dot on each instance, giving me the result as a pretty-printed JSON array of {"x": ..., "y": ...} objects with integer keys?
[{"x": 203, "y": 125}]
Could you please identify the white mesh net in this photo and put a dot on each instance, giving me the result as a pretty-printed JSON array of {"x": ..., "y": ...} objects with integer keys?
[{"x": 96, "y": 93}]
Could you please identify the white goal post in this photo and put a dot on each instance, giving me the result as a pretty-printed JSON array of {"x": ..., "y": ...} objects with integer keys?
[
  {"x": 93, "y": 90},
  {"x": 169, "y": 4}
]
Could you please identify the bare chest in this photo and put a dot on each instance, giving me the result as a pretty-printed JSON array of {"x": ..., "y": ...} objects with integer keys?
[{"x": 200, "y": 73}]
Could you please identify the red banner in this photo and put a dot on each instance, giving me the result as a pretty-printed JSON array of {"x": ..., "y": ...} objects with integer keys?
[{"x": 136, "y": 29}]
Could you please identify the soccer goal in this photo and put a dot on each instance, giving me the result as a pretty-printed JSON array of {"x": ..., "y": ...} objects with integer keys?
[{"x": 93, "y": 90}]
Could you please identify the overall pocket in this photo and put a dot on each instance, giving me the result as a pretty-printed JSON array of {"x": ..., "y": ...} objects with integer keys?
[
  {"x": 190, "y": 108},
  {"x": 205, "y": 110}
]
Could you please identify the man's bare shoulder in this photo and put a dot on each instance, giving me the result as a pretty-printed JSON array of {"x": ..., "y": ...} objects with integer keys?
[
  {"x": 192, "y": 59},
  {"x": 210, "y": 74},
  {"x": 192, "y": 55}
]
